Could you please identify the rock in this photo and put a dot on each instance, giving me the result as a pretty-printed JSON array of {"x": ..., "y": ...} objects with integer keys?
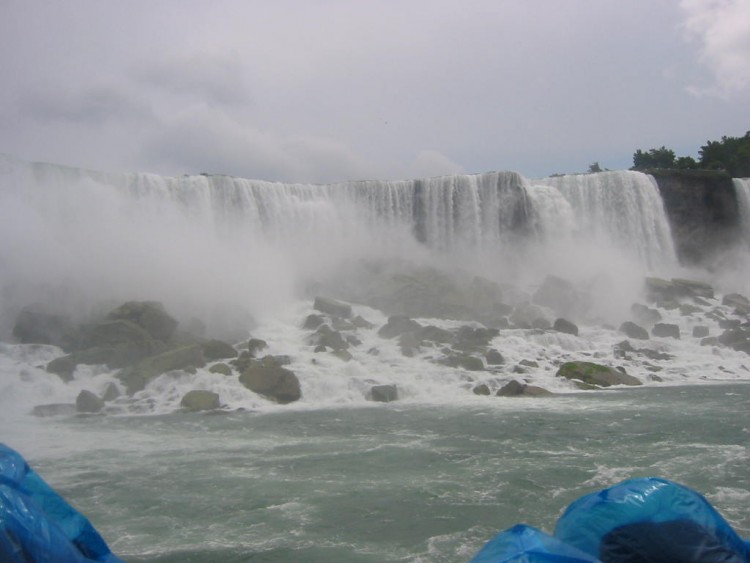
[
  {"x": 343, "y": 355},
  {"x": 35, "y": 325},
  {"x": 360, "y": 322},
  {"x": 632, "y": 330},
  {"x": 434, "y": 334},
  {"x": 658, "y": 289},
  {"x": 481, "y": 389},
  {"x": 110, "y": 393},
  {"x": 644, "y": 315},
  {"x": 353, "y": 341},
  {"x": 700, "y": 331},
  {"x": 494, "y": 358},
  {"x": 739, "y": 302},
  {"x": 125, "y": 341},
  {"x": 341, "y": 324},
  {"x": 409, "y": 344},
  {"x": 686, "y": 309},
  {"x": 383, "y": 393},
  {"x": 470, "y": 339},
  {"x": 218, "y": 350},
  {"x": 469, "y": 363},
  {"x": 529, "y": 363},
  {"x": 541, "y": 324},
  {"x": 149, "y": 315},
  {"x": 398, "y": 325},
  {"x": 562, "y": 325},
  {"x": 275, "y": 383},
  {"x": 666, "y": 330},
  {"x": 515, "y": 389},
  {"x": 326, "y": 336},
  {"x": 313, "y": 321},
  {"x": 54, "y": 409},
  {"x": 64, "y": 366},
  {"x": 332, "y": 307},
  {"x": 728, "y": 324},
  {"x": 136, "y": 377},
  {"x": 87, "y": 402},
  {"x": 197, "y": 400},
  {"x": 255, "y": 345},
  {"x": 220, "y": 368},
  {"x": 591, "y": 374},
  {"x": 692, "y": 288},
  {"x": 736, "y": 338}
]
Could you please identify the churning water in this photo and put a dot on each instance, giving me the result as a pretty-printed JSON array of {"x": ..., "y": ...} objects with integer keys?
[{"x": 333, "y": 476}]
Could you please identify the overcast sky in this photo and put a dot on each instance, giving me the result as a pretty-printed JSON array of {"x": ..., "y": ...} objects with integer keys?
[{"x": 331, "y": 90}]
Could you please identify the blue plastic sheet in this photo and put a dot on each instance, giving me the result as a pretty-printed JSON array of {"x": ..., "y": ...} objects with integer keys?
[
  {"x": 37, "y": 525},
  {"x": 648, "y": 520}
]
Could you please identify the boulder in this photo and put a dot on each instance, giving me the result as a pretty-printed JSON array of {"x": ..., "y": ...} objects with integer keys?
[
  {"x": 276, "y": 383},
  {"x": 343, "y": 355},
  {"x": 563, "y": 325},
  {"x": 136, "y": 377},
  {"x": 516, "y": 389},
  {"x": 692, "y": 288},
  {"x": 739, "y": 302},
  {"x": 313, "y": 321},
  {"x": 361, "y": 322},
  {"x": 220, "y": 368},
  {"x": 87, "y": 402},
  {"x": 524, "y": 315},
  {"x": 632, "y": 330},
  {"x": 494, "y": 358},
  {"x": 36, "y": 325},
  {"x": 434, "y": 334},
  {"x": 198, "y": 400},
  {"x": 398, "y": 325},
  {"x": 125, "y": 340},
  {"x": 481, "y": 389},
  {"x": 666, "y": 330},
  {"x": 595, "y": 375},
  {"x": 332, "y": 307},
  {"x": 255, "y": 345},
  {"x": 470, "y": 339},
  {"x": 326, "y": 336},
  {"x": 383, "y": 393},
  {"x": 409, "y": 344},
  {"x": 149, "y": 315},
  {"x": 218, "y": 350},
  {"x": 735, "y": 338},
  {"x": 700, "y": 331},
  {"x": 469, "y": 363},
  {"x": 644, "y": 315}
]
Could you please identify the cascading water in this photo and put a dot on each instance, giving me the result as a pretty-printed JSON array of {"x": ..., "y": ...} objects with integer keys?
[{"x": 742, "y": 189}]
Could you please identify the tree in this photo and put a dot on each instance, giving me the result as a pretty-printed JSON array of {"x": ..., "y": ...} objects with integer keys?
[
  {"x": 594, "y": 167},
  {"x": 731, "y": 154},
  {"x": 654, "y": 158}
]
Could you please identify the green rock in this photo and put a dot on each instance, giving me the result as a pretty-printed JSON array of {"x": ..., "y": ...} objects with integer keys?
[
  {"x": 136, "y": 377},
  {"x": 149, "y": 315},
  {"x": 276, "y": 383},
  {"x": 220, "y": 368},
  {"x": 200, "y": 401},
  {"x": 87, "y": 402},
  {"x": 332, "y": 307},
  {"x": 596, "y": 375},
  {"x": 218, "y": 350}
]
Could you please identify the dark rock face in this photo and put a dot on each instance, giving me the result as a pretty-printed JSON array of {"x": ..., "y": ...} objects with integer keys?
[
  {"x": 383, "y": 393},
  {"x": 481, "y": 389},
  {"x": 35, "y": 325},
  {"x": 332, "y": 307},
  {"x": 276, "y": 383},
  {"x": 594, "y": 375},
  {"x": 199, "y": 400},
  {"x": 87, "y": 402},
  {"x": 632, "y": 330},
  {"x": 398, "y": 325},
  {"x": 218, "y": 350},
  {"x": 149, "y": 315},
  {"x": 702, "y": 211},
  {"x": 562, "y": 325},
  {"x": 516, "y": 389},
  {"x": 667, "y": 330}
]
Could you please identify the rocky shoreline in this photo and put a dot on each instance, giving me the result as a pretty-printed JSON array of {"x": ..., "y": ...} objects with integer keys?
[{"x": 140, "y": 341}]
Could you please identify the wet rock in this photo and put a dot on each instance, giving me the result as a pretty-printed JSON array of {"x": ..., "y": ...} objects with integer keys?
[
  {"x": 565, "y": 326},
  {"x": 471, "y": 339},
  {"x": 220, "y": 368},
  {"x": 541, "y": 324},
  {"x": 88, "y": 402},
  {"x": 361, "y": 322},
  {"x": 332, "y": 307},
  {"x": 666, "y": 330},
  {"x": 561, "y": 296},
  {"x": 644, "y": 315},
  {"x": 481, "y": 389},
  {"x": 343, "y": 355},
  {"x": 255, "y": 345},
  {"x": 632, "y": 330},
  {"x": 469, "y": 363},
  {"x": 135, "y": 378},
  {"x": 525, "y": 314},
  {"x": 739, "y": 302},
  {"x": 736, "y": 338},
  {"x": 435, "y": 334},
  {"x": 275, "y": 383},
  {"x": 494, "y": 358},
  {"x": 693, "y": 288},
  {"x": 728, "y": 324},
  {"x": 326, "y": 336},
  {"x": 218, "y": 350},
  {"x": 383, "y": 393},
  {"x": 516, "y": 389},
  {"x": 700, "y": 331},
  {"x": 198, "y": 400},
  {"x": 110, "y": 393},
  {"x": 409, "y": 344},
  {"x": 148, "y": 315},
  {"x": 595, "y": 375},
  {"x": 529, "y": 364},
  {"x": 313, "y": 321},
  {"x": 341, "y": 324},
  {"x": 398, "y": 325}
]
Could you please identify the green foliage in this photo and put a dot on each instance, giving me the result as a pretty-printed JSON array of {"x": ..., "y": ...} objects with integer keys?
[
  {"x": 731, "y": 154},
  {"x": 594, "y": 168}
]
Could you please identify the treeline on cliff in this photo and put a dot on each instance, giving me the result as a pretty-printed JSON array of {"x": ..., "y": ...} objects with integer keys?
[{"x": 730, "y": 154}]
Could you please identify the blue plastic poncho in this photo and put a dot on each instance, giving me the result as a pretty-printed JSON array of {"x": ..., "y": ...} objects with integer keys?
[{"x": 37, "y": 525}]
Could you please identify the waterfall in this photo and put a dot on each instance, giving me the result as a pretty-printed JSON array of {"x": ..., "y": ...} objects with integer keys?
[
  {"x": 742, "y": 189},
  {"x": 72, "y": 235}
]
